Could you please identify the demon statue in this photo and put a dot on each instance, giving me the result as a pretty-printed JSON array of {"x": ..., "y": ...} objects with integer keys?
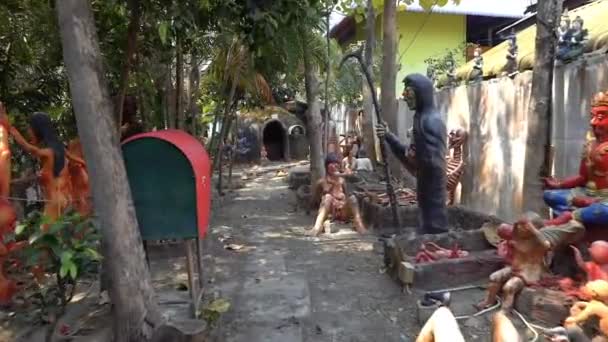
[
  {"x": 583, "y": 197},
  {"x": 429, "y": 136}
]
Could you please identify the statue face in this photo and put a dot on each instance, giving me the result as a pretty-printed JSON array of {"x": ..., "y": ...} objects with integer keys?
[
  {"x": 332, "y": 168},
  {"x": 576, "y": 25},
  {"x": 564, "y": 24},
  {"x": 32, "y": 136},
  {"x": 409, "y": 96},
  {"x": 599, "y": 122}
]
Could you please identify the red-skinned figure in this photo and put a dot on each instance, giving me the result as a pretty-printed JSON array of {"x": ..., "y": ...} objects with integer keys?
[{"x": 584, "y": 197}]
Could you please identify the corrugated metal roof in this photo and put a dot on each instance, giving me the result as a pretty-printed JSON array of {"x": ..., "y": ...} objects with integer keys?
[
  {"x": 594, "y": 15},
  {"x": 488, "y": 8}
]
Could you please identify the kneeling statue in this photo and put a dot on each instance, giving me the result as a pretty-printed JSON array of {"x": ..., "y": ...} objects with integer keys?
[{"x": 329, "y": 195}]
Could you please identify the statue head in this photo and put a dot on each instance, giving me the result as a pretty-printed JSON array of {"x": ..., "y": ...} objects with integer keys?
[
  {"x": 41, "y": 131},
  {"x": 523, "y": 228},
  {"x": 477, "y": 52},
  {"x": 599, "y": 252},
  {"x": 332, "y": 164},
  {"x": 418, "y": 92},
  {"x": 596, "y": 289},
  {"x": 577, "y": 24},
  {"x": 599, "y": 116},
  {"x": 457, "y": 137}
]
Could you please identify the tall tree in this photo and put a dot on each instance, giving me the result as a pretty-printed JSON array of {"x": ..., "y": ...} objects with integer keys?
[
  {"x": 135, "y": 307},
  {"x": 538, "y": 142},
  {"x": 369, "y": 138},
  {"x": 389, "y": 72},
  {"x": 135, "y": 15},
  {"x": 313, "y": 113}
]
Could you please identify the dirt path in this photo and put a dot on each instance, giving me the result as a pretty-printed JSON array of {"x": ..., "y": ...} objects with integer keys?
[{"x": 284, "y": 286}]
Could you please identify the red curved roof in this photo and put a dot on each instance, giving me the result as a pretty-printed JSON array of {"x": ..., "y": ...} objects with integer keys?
[{"x": 201, "y": 166}]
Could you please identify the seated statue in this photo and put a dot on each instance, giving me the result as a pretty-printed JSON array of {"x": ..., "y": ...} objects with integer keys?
[
  {"x": 330, "y": 196},
  {"x": 528, "y": 245},
  {"x": 583, "y": 197}
]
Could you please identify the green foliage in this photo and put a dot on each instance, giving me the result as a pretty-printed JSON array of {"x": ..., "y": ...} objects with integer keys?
[
  {"x": 67, "y": 250},
  {"x": 357, "y": 8}
]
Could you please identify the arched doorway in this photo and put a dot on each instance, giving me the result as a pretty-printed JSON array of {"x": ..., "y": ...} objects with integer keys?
[{"x": 274, "y": 139}]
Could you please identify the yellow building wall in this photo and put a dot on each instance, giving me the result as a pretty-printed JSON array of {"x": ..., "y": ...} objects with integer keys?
[{"x": 437, "y": 34}]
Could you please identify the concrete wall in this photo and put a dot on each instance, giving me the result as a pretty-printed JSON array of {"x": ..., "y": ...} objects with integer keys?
[{"x": 495, "y": 114}]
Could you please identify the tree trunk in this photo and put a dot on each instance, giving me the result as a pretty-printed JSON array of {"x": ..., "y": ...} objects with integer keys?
[
  {"x": 195, "y": 77},
  {"x": 179, "y": 84},
  {"x": 313, "y": 118},
  {"x": 389, "y": 74},
  {"x": 136, "y": 312},
  {"x": 538, "y": 142},
  {"x": 132, "y": 30},
  {"x": 369, "y": 138},
  {"x": 169, "y": 97}
]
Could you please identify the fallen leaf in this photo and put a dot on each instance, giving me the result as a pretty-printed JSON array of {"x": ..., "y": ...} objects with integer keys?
[
  {"x": 219, "y": 305},
  {"x": 234, "y": 247}
]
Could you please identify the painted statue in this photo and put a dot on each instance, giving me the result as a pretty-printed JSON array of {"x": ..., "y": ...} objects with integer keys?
[
  {"x": 583, "y": 197},
  {"x": 580, "y": 312},
  {"x": 528, "y": 245},
  {"x": 329, "y": 195},
  {"x": 430, "y": 137},
  {"x": 79, "y": 179},
  {"x": 477, "y": 72},
  {"x": 450, "y": 70},
  {"x": 54, "y": 178},
  {"x": 564, "y": 33},
  {"x": 512, "y": 52},
  {"x": 572, "y": 39},
  {"x": 8, "y": 216}
]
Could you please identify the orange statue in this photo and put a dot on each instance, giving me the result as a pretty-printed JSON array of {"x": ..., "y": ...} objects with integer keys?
[
  {"x": 8, "y": 217},
  {"x": 329, "y": 195},
  {"x": 597, "y": 268},
  {"x": 54, "y": 177},
  {"x": 79, "y": 178},
  {"x": 528, "y": 246},
  {"x": 580, "y": 312}
]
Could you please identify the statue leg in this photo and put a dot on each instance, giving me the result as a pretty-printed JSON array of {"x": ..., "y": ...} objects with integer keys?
[
  {"x": 440, "y": 327},
  {"x": 510, "y": 290},
  {"x": 503, "y": 329},
  {"x": 497, "y": 279},
  {"x": 353, "y": 207},
  {"x": 324, "y": 210},
  {"x": 595, "y": 214},
  {"x": 559, "y": 200}
]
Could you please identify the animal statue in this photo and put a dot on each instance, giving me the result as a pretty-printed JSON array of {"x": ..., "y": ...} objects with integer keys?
[
  {"x": 582, "y": 197},
  {"x": 429, "y": 136}
]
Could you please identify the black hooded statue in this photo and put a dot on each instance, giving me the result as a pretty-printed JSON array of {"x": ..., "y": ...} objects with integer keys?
[{"x": 430, "y": 140}]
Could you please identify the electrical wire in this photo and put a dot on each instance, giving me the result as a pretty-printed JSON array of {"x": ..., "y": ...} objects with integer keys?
[{"x": 426, "y": 19}]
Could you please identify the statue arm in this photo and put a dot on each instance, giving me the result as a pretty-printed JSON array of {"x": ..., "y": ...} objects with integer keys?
[
  {"x": 74, "y": 159},
  {"x": 317, "y": 190},
  {"x": 575, "y": 181},
  {"x": 400, "y": 151},
  {"x": 32, "y": 149}
]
